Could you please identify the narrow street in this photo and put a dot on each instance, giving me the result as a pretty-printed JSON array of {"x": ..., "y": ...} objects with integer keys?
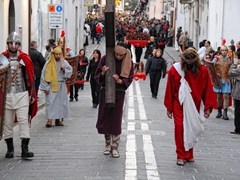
[{"x": 147, "y": 147}]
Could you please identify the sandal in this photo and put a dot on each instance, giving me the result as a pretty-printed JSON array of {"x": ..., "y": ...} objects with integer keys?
[
  {"x": 107, "y": 150},
  {"x": 180, "y": 162},
  {"x": 190, "y": 160},
  {"x": 114, "y": 152},
  {"x": 49, "y": 123},
  {"x": 58, "y": 123}
]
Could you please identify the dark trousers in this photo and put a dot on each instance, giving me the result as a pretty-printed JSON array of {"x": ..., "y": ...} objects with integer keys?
[
  {"x": 155, "y": 77},
  {"x": 95, "y": 89},
  {"x": 76, "y": 87},
  {"x": 138, "y": 52},
  {"x": 37, "y": 84},
  {"x": 237, "y": 115},
  {"x": 170, "y": 42}
]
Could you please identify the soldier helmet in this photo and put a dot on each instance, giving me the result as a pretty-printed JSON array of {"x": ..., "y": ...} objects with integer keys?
[
  {"x": 61, "y": 39},
  {"x": 13, "y": 37},
  {"x": 223, "y": 47}
]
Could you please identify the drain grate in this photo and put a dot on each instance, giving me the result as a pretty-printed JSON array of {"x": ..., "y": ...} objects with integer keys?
[{"x": 142, "y": 132}]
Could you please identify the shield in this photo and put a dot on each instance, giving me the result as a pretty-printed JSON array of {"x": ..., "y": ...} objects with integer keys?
[
  {"x": 73, "y": 61},
  {"x": 3, "y": 91},
  {"x": 213, "y": 74}
]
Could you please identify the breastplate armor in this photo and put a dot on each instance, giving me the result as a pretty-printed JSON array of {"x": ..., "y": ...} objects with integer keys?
[
  {"x": 18, "y": 84},
  {"x": 222, "y": 68}
]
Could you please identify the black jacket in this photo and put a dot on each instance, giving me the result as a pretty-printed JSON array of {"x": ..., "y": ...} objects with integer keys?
[
  {"x": 150, "y": 46},
  {"x": 238, "y": 53},
  {"x": 38, "y": 61},
  {"x": 92, "y": 68},
  {"x": 155, "y": 64}
]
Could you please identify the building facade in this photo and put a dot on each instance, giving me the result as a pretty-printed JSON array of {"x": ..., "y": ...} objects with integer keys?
[
  {"x": 213, "y": 20},
  {"x": 14, "y": 16}
]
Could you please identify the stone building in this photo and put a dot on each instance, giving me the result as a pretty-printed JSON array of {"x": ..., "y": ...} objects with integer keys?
[{"x": 14, "y": 16}]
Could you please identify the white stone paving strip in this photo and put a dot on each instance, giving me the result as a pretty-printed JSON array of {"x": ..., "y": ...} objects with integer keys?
[
  {"x": 150, "y": 160},
  {"x": 131, "y": 148},
  {"x": 131, "y": 112}
]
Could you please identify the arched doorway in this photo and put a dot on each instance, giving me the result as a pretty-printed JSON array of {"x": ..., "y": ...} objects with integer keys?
[{"x": 11, "y": 17}]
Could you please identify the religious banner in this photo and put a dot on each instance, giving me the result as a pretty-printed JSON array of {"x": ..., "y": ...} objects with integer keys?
[
  {"x": 213, "y": 74},
  {"x": 3, "y": 91},
  {"x": 73, "y": 61}
]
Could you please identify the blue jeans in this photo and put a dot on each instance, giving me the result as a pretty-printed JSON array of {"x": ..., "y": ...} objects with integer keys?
[{"x": 98, "y": 37}]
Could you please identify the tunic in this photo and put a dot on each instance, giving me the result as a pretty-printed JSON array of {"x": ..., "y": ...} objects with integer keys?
[
  {"x": 57, "y": 102},
  {"x": 201, "y": 87},
  {"x": 110, "y": 119}
]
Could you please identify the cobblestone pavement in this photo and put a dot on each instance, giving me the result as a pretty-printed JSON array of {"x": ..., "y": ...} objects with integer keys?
[{"x": 147, "y": 145}]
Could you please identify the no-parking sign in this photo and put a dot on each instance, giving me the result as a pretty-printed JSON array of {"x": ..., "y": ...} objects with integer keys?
[{"x": 55, "y": 16}]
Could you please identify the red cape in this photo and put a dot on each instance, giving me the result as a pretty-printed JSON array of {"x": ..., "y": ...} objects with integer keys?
[{"x": 30, "y": 72}]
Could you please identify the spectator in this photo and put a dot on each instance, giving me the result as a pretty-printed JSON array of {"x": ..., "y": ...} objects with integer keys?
[
  {"x": 234, "y": 73},
  {"x": 238, "y": 49},
  {"x": 201, "y": 51},
  {"x": 38, "y": 62},
  {"x": 85, "y": 38},
  {"x": 208, "y": 47}
]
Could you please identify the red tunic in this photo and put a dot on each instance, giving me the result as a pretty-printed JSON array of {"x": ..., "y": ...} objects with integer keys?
[{"x": 201, "y": 90}]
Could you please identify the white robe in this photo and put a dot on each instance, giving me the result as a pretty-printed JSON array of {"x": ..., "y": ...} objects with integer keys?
[
  {"x": 192, "y": 120},
  {"x": 57, "y": 102}
]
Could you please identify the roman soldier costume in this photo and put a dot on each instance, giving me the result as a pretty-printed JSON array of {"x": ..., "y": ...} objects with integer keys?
[{"x": 20, "y": 87}]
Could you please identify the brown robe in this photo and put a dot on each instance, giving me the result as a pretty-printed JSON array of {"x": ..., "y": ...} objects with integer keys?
[{"x": 110, "y": 119}]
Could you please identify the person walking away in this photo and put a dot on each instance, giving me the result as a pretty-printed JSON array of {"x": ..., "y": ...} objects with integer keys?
[
  {"x": 53, "y": 83},
  {"x": 20, "y": 94},
  {"x": 161, "y": 43},
  {"x": 188, "y": 100},
  {"x": 99, "y": 32},
  {"x": 95, "y": 87},
  {"x": 138, "y": 53},
  {"x": 38, "y": 62},
  {"x": 156, "y": 67},
  {"x": 93, "y": 32},
  {"x": 123, "y": 77}
]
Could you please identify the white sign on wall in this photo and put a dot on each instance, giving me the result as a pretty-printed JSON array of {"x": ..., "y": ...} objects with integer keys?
[
  {"x": 88, "y": 2},
  {"x": 55, "y": 16}
]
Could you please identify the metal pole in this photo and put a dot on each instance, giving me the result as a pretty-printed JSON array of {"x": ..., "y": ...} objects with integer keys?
[{"x": 110, "y": 57}]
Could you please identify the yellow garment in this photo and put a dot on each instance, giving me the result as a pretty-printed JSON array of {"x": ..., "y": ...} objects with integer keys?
[{"x": 51, "y": 73}]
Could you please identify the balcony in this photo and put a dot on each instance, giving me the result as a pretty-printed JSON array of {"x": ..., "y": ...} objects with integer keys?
[{"x": 185, "y": 1}]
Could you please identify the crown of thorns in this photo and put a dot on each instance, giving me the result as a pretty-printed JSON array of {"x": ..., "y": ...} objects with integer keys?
[{"x": 189, "y": 56}]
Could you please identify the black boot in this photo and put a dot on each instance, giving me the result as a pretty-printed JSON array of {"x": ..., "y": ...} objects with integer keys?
[
  {"x": 25, "y": 151},
  {"x": 219, "y": 114},
  {"x": 10, "y": 147},
  {"x": 225, "y": 117}
]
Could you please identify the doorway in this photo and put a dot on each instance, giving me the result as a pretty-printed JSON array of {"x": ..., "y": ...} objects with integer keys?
[{"x": 11, "y": 17}]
